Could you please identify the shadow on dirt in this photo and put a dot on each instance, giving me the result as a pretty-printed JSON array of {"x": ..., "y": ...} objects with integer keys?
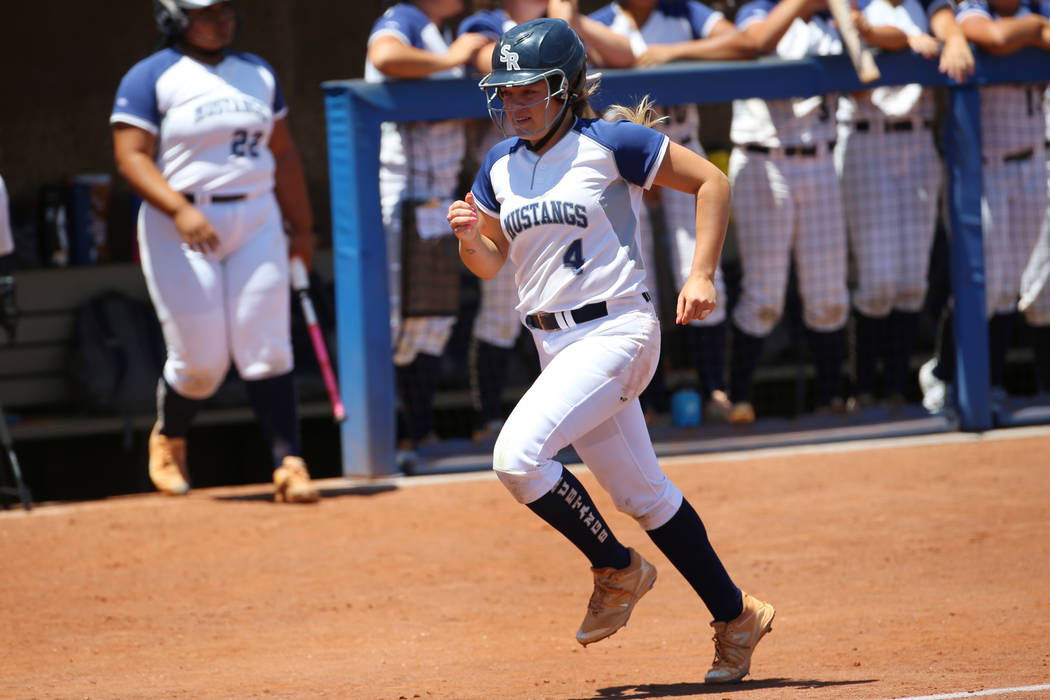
[
  {"x": 679, "y": 690},
  {"x": 362, "y": 490}
]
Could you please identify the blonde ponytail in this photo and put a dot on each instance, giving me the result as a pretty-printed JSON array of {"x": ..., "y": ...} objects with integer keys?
[{"x": 643, "y": 113}]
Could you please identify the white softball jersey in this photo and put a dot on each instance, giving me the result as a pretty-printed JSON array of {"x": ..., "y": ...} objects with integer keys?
[
  {"x": 787, "y": 122},
  {"x": 212, "y": 123},
  {"x": 570, "y": 214}
]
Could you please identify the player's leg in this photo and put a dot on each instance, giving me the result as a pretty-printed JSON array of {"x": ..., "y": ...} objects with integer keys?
[
  {"x": 656, "y": 401},
  {"x": 764, "y": 213},
  {"x": 417, "y": 363},
  {"x": 1000, "y": 222},
  {"x": 589, "y": 374},
  {"x": 820, "y": 257},
  {"x": 865, "y": 162},
  {"x": 186, "y": 288},
  {"x": 258, "y": 305},
  {"x": 919, "y": 187},
  {"x": 496, "y": 328},
  {"x": 706, "y": 339},
  {"x": 1035, "y": 298}
]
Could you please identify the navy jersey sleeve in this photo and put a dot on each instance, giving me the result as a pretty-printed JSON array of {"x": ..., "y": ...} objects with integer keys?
[
  {"x": 700, "y": 17},
  {"x": 404, "y": 21},
  {"x": 638, "y": 150},
  {"x": 136, "y": 100},
  {"x": 486, "y": 22},
  {"x": 973, "y": 7},
  {"x": 934, "y": 6},
  {"x": 605, "y": 15},
  {"x": 484, "y": 193},
  {"x": 753, "y": 12}
]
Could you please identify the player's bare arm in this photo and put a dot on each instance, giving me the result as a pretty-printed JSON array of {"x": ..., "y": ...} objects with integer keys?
[
  {"x": 1005, "y": 35},
  {"x": 956, "y": 57},
  {"x": 725, "y": 42},
  {"x": 482, "y": 246},
  {"x": 133, "y": 150},
  {"x": 604, "y": 46},
  {"x": 399, "y": 60},
  {"x": 292, "y": 195},
  {"x": 884, "y": 36},
  {"x": 686, "y": 171},
  {"x": 766, "y": 33}
]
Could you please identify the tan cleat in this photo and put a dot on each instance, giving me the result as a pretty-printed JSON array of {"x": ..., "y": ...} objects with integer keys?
[
  {"x": 736, "y": 640},
  {"x": 167, "y": 463},
  {"x": 741, "y": 413},
  {"x": 291, "y": 482},
  {"x": 615, "y": 593}
]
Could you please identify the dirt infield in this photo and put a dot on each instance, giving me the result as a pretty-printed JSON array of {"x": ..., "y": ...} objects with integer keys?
[{"x": 913, "y": 569}]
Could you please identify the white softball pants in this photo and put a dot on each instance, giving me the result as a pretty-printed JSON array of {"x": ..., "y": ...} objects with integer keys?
[
  {"x": 1035, "y": 281},
  {"x": 1013, "y": 207},
  {"x": 587, "y": 396},
  {"x": 234, "y": 301},
  {"x": 891, "y": 186},
  {"x": 782, "y": 205}
]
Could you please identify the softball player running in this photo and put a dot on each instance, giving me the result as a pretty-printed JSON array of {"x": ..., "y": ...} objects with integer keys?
[
  {"x": 496, "y": 326},
  {"x": 891, "y": 178},
  {"x": 561, "y": 202},
  {"x": 787, "y": 200},
  {"x": 419, "y": 163},
  {"x": 200, "y": 133},
  {"x": 662, "y": 31}
]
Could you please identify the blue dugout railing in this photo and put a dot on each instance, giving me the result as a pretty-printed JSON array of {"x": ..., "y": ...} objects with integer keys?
[{"x": 354, "y": 110}]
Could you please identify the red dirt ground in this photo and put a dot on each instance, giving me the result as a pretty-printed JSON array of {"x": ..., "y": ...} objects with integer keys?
[{"x": 912, "y": 569}]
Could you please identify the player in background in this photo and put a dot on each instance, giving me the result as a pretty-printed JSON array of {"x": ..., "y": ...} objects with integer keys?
[
  {"x": 419, "y": 163},
  {"x": 496, "y": 326},
  {"x": 787, "y": 201},
  {"x": 1013, "y": 179},
  {"x": 201, "y": 134},
  {"x": 561, "y": 202},
  {"x": 1035, "y": 282},
  {"x": 661, "y": 31},
  {"x": 891, "y": 183}
]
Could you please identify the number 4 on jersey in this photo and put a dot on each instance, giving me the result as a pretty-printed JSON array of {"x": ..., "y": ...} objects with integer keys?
[{"x": 573, "y": 257}]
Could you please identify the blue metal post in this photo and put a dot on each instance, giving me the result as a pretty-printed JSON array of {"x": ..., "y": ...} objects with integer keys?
[
  {"x": 962, "y": 139},
  {"x": 366, "y": 376}
]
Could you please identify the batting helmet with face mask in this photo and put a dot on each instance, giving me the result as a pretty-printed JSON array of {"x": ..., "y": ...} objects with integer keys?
[{"x": 541, "y": 49}]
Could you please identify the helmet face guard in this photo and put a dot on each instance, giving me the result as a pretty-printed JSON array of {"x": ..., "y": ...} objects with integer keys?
[
  {"x": 541, "y": 49},
  {"x": 171, "y": 16},
  {"x": 552, "y": 113}
]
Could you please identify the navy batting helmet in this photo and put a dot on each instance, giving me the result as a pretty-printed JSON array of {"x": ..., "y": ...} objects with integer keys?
[
  {"x": 541, "y": 49},
  {"x": 171, "y": 16}
]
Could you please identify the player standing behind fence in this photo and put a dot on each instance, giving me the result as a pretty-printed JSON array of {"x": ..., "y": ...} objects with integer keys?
[
  {"x": 891, "y": 183},
  {"x": 419, "y": 163},
  {"x": 787, "y": 200},
  {"x": 1035, "y": 282},
  {"x": 211, "y": 235},
  {"x": 496, "y": 326},
  {"x": 561, "y": 202},
  {"x": 1013, "y": 181},
  {"x": 659, "y": 32}
]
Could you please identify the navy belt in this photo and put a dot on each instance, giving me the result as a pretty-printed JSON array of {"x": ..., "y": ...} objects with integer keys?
[
  {"x": 217, "y": 197},
  {"x": 889, "y": 126},
  {"x": 545, "y": 321},
  {"x": 786, "y": 150}
]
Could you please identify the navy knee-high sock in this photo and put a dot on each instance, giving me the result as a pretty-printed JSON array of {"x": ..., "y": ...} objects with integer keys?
[
  {"x": 568, "y": 508},
  {"x": 1041, "y": 351},
  {"x": 747, "y": 350},
  {"x": 488, "y": 365},
  {"x": 417, "y": 383},
  {"x": 683, "y": 540},
  {"x": 828, "y": 350},
  {"x": 870, "y": 334},
  {"x": 276, "y": 406},
  {"x": 708, "y": 346},
  {"x": 902, "y": 332},
  {"x": 1000, "y": 329},
  {"x": 175, "y": 412}
]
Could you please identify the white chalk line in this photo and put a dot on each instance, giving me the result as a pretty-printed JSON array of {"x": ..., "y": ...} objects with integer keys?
[{"x": 979, "y": 693}]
